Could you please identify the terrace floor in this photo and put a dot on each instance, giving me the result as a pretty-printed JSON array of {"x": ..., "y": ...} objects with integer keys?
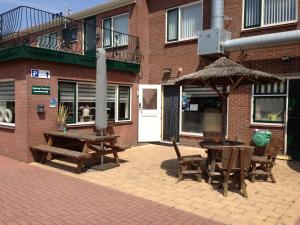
[{"x": 148, "y": 171}]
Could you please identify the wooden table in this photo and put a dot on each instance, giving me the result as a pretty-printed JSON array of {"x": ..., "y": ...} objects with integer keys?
[
  {"x": 93, "y": 146},
  {"x": 212, "y": 150}
]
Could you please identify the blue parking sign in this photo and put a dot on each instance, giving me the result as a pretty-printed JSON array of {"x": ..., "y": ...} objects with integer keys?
[{"x": 34, "y": 73}]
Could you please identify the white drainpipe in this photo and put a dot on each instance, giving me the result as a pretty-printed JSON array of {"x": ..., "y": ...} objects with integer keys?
[{"x": 260, "y": 41}]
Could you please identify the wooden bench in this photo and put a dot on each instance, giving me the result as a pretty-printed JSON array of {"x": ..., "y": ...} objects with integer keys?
[{"x": 45, "y": 149}]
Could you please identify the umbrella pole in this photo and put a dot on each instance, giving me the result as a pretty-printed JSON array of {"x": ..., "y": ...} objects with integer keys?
[{"x": 224, "y": 112}]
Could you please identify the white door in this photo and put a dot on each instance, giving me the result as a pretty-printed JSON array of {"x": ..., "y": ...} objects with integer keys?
[{"x": 149, "y": 113}]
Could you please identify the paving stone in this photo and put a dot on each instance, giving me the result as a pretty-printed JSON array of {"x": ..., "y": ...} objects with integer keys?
[{"x": 149, "y": 171}]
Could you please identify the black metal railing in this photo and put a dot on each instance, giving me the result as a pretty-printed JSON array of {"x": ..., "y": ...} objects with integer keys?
[{"x": 37, "y": 28}]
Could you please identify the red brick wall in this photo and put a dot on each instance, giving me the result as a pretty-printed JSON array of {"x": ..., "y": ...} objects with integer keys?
[{"x": 30, "y": 126}]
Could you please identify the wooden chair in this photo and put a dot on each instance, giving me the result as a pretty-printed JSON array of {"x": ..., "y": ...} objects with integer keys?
[
  {"x": 263, "y": 165},
  {"x": 235, "y": 162},
  {"x": 190, "y": 164}
]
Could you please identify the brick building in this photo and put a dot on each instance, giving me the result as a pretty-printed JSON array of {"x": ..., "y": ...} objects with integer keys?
[{"x": 149, "y": 44}]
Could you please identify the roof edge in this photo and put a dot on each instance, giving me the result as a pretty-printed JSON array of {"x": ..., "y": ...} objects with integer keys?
[{"x": 107, "y": 6}]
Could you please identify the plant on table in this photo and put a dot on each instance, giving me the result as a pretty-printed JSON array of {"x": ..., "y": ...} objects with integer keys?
[{"x": 62, "y": 116}]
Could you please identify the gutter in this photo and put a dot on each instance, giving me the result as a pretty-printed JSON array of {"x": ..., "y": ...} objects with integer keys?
[{"x": 107, "y": 6}]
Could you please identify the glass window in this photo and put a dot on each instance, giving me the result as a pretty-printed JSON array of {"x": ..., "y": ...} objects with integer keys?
[
  {"x": 172, "y": 29},
  {"x": 115, "y": 31},
  {"x": 124, "y": 103},
  {"x": 86, "y": 102},
  {"x": 70, "y": 34},
  {"x": 196, "y": 101},
  {"x": 47, "y": 40},
  {"x": 80, "y": 99},
  {"x": 274, "y": 12},
  {"x": 188, "y": 18},
  {"x": 7, "y": 102},
  {"x": 269, "y": 103},
  {"x": 150, "y": 99},
  {"x": 111, "y": 100},
  {"x": 67, "y": 96}
]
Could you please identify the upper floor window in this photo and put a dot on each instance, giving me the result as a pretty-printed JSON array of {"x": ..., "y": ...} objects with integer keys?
[
  {"x": 48, "y": 40},
  {"x": 260, "y": 13},
  {"x": 184, "y": 22},
  {"x": 115, "y": 31}
]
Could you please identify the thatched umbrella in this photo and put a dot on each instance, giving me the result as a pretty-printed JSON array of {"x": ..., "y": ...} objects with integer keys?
[{"x": 225, "y": 72}]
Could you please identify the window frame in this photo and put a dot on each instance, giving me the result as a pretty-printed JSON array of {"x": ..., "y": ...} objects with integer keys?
[
  {"x": 262, "y": 13},
  {"x": 116, "y": 86},
  {"x": 179, "y": 22},
  {"x": 4, "y": 124},
  {"x": 111, "y": 38},
  {"x": 254, "y": 96}
]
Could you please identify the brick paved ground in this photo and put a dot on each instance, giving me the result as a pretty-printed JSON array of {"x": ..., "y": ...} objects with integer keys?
[
  {"x": 31, "y": 195},
  {"x": 149, "y": 172}
]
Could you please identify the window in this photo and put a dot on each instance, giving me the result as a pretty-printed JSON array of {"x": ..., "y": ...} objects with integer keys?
[
  {"x": 70, "y": 34},
  {"x": 47, "y": 40},
  {"x": 184, "y": 22},
  {"x": 196, "y": 101},
  {"x": 269, "y": 103},
  {"x": 259, "y": 13},
  {"x": 115, "y": 31},
  {"x": 80, "y": 99},
  {"x": 7, "y": 102}
]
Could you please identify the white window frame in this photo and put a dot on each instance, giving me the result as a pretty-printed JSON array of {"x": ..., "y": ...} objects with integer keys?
[
  {"x": 112, "y": 30},
  {"x": 256, "y": 123},
  {"x": 179, "y": 22},
  {"x": 262, "y": 18},
  {"x": 77, "y": 123},
  {"x": 4, "y": 124}
]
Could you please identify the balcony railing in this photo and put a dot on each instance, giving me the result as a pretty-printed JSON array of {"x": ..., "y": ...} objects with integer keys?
[{"x": 41, "y": 29}]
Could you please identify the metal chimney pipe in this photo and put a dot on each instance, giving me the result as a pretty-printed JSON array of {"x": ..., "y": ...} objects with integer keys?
[
  {"x": 261, "y": 41},
  {"x": 217, "y": 14},
  {"x": 101, "y": 91}
]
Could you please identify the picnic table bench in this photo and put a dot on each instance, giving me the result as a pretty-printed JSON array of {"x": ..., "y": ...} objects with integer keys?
[{"x": 93, "y": 146}]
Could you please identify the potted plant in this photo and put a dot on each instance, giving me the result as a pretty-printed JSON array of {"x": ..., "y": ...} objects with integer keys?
[{"x": 62, "y": 116}]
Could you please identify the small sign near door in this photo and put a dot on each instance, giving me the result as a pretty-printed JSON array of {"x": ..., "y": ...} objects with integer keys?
[{"x": 40, "y": 90}]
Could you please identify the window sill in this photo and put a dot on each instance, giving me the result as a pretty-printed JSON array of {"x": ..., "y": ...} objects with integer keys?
[
  {"x": 270, "y": 125},
  {"x": 9, "y": 126},
  {"x": 181, "y": 41},
  {"x": 269, "y": 27},
  {"x": 92, "y": 124},
  {"x": 185, "y": 134}
]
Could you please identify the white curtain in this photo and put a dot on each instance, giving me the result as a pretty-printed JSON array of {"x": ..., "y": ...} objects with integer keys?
[
  {"x": 252, "y": 13},
  {"x": 107, "y": 33},
  {"x": 279, "y": 11},
  {"x": 7, "y": 91},
  {"x": 172, "y": 25},
  {"x": 86, "y": 93},
  {"x": 120, "y": 24},
  {"x": 191, "y": 21}
]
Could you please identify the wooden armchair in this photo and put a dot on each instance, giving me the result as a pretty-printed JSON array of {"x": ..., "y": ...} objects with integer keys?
[
  {"x": 190, "y": 164},
  {"x": 263, "y": 165},
  {"x": 235, "y": 162}
]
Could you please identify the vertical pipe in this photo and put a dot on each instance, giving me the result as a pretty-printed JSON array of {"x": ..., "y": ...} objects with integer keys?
[
  {"x": 101, "y": 91},
  {"x": 217, "y": 14}
]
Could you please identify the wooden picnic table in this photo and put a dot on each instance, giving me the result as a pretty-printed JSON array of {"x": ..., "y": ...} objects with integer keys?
[
  {"x": 212, "y": 151},
  {"x": 92, "y": 146}
]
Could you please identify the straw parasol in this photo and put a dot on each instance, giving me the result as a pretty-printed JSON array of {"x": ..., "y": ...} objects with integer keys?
[{"x": 225, "y": 72}]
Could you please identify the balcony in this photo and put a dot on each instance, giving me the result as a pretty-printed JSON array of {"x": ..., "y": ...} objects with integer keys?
[{"x": 54, "y": 35}]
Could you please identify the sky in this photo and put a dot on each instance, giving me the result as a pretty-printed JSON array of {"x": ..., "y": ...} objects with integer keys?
[{"x": 53, "y": 6}]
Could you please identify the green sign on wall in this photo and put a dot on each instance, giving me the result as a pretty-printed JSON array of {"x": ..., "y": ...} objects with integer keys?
[{"x": 40, "y": 90}]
